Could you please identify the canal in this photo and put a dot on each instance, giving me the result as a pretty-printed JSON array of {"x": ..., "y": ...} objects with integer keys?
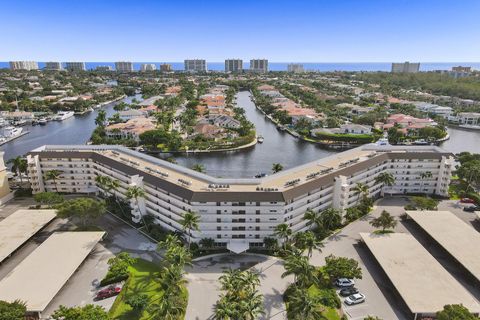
[{"x": 278, "y": 147}]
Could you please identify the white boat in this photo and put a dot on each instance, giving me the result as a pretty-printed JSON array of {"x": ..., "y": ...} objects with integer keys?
[
  {"x": 62, "y": 115},
  {"x": 11, "y": 132},
  {"x": 42, "y": 121}
]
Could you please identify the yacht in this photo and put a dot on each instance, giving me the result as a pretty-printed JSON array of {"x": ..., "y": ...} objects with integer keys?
[
  {"x": 11, "y": 132},
  {"x": 62, "y": 115},
  {"x": 42, "y": 121}
]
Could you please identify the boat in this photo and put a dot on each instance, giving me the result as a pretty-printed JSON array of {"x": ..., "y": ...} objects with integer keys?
[
  {"x": 63, "y": 115},
  {"x": 42, "y": 121},
  {"x": 11, "y": 132},
  {"x": 260, "y": 139},
  {"x": 19, "y": 123},
  {"x": 260, "y": 175}
]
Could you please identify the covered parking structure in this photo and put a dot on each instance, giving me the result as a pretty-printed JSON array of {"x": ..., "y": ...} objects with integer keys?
[
  {"x": 40, "y": 276},
  {"x": 459, "y": 239},
  {"x": 424, "y": 285},
  {"x": 19, "y": 227}
]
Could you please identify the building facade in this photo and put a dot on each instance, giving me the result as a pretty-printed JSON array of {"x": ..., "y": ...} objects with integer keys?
[
  {"x": 103, "y": 68},
  {"x": 233, "y": 65},
  {"x": 195, "y": 65},
  {"x": 405, "y": 67},
  {"x": 165, "y": 67},
  {"x": 244, "y": 211},
  {"x": 124, "y": 66},
  {"x": 295, "y": 68},
  {"x": 75, "y": 66},
  {"x": 259, "y": 65},
  {"x": 54, "y": 66},
  {"x": 148, "y": 67},
  {"x": 23, "y": 65}
]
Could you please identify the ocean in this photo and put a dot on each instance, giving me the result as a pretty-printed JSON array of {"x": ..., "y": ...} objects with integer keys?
[{"x": 310, "y": 66}]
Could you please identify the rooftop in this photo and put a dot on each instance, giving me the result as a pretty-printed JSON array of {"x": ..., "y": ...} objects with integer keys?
[
  {"x": 41, "y": 275},
  {"x": 415, "y": 273}
]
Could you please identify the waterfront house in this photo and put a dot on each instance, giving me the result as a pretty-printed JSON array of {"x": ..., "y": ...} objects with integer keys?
[
  {"x": 470, "y": 118},
  {"x": 225, "y": 121},
  {"x": 131, "y": 114},
  {"x": 132, "y": 129}
]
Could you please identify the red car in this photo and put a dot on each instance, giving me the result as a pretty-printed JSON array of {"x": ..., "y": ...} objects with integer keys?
[
  {"x": 467, "y": 200},
  {"x": 108, "y": 292}
]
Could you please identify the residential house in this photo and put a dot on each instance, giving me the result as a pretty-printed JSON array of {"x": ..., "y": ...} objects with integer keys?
[
  {"x": 225, "y": 121},
  {"x": 131, "y": 114},
  {"x": 132, "y": 129}
]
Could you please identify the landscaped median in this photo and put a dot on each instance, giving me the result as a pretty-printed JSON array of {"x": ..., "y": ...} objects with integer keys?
[{"x": 144, "y": 279}]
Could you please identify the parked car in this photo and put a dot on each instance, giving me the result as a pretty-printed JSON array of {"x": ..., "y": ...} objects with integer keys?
[
  {"x": 471, "y": 209},
  {"x": 467, "y": 200},
  {"x": 344, "y": 282},
  {"x": 108, "y": 292},
  {"x": 345, "y": 292},
  {"x": 355, "y": 299}
]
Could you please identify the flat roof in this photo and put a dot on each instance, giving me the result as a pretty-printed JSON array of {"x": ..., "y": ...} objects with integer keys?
[
  {"x": 20, "y": 226},
  {"x": 425, "y": 286},
  {"x": 41, "y": 275},
  {"x": 454, "y": 235}
]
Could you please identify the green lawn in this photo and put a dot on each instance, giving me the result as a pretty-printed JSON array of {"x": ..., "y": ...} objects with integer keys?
[{"x": 144, "y": 279}]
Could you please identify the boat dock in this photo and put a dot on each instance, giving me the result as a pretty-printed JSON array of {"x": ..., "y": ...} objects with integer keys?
[{"x": 2, "y": 142}]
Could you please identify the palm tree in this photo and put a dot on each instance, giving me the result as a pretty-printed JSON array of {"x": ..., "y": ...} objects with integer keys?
[
  {"x": 276, "y": 167},
  {"x": 207, "y": 243},
  {"x": 301, "y": 269},
  {"x": 101, "y": 118},
  {"x": 312, "y": 217},
  {"x": 19, "y": 166},
  {"x": 361, "y": 189},
  {"x": 53, "y": 175},
  {"x": 330, "y": 219},
  {"x": 224, "y": 310},
  {"x": 310, "y": 242},
  {"x": 136, "y": 192},
  {"x": 168, "y": 307},
  {"x": 114, "y": 186},
  {"x": 189, "y": 223},
  {"x": 284, "y": 232},
  {"x": 305, "y": 306},
  {"x": 103, "y": 183},
  {"x": 386, "y": 179},
  {"x": 198, "y": 167},
  {"x": 252, "y": 306},
  {"x": 423, "y": 176}
]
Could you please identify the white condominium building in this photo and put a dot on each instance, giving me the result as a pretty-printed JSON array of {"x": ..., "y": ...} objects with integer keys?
[
  {"x": 54, "y": 66},
  {"x": 295, "y": 67},
  {"x": 259, "y": 65},
  {"x": 148, "y": 67},
  {"x": 405, "y": 67},
  {"x": 233, "y": 65},
  {"x": 241, "y": 212},
  {"x": 124, "y": 66},
  {"x": 195, "y": 65},
  {"x": 23, "y": 65},
  {"x": 75, "y": 66}
]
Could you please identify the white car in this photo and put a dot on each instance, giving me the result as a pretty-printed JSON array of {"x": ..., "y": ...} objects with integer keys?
[
  {"x": 344, "y": 282},
  {"x": 355, "y": 299}
]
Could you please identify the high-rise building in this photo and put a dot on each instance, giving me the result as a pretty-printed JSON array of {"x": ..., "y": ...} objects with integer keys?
[
  {"x": 295, "y": 68},
  {"x": 405, "y": 67},
  {"x": 75, "y": 66},
  {"x": 124, "y": 66},
  {"x": 103, "y": 68},
  {"x": 53, "y": 66},
  {"x": 148, "y": 67},
  {"x": 462, "y": 69},
  {"x": 23, "y": 65},
  {"x": 195, "y": 65},
  {"x": 233, "y": 65},
  {"x": 165, "y": 67},
  {"x": 259, "y": 65}
]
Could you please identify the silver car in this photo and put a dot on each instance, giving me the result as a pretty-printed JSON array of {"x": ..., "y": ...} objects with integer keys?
[{"x": 355, "y": 299}]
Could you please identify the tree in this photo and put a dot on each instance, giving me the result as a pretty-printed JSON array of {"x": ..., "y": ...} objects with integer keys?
[
  {"x": 270, "y": 243},
  {"x": 303, "y": 306},
  {"x": 48, "y": 198},
  {"x": 12, "y": 311},
  {"x": 19, "y": 166},
  {"x": 361, "y": 189},
  {"x": 308, "y": 241},
  {"x": 384, "y": 221},
  {"x": 103, "y": 183},
  {"x": 53, "y": 175},
  {"x": 101, "y": 118},
  {"x": 301, "y": 269},
  {"x": 455, "y": 312},
  {"x": 189, "y": 223},
  {"x": 341, "y": 267},
  {"x": 84, "y": 209},
  {"x": 207, "y": 243},
  {"x": 118, "y": 265},
  {"x": 87, "y": 312},
  {"x": 136, "y": 192},
  {"x": 277, "y": 167},
  {"x": 371, "y": 318},
  {"x": 312, "y": 218},
  {"x": 284, "y": 232},
  {"x": 394, "y": 136},
  {"x": 198, "y": 167},
  {"x": 169, "y": 307},
  {"x": 138, "y": 302},
  {"x": 330, "y": 219},
  {"x": 423, "y": 176},
  {"x": 469, "y": 170},
  {"x": 386, "y": 179},
  {"x": 425, "y": 203}
]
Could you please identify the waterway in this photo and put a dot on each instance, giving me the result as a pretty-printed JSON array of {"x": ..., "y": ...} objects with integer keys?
[{"x": 278, "y": 147}]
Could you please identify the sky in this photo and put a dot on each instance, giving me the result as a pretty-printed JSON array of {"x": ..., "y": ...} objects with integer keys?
[{"x": 279, "y": 30}]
